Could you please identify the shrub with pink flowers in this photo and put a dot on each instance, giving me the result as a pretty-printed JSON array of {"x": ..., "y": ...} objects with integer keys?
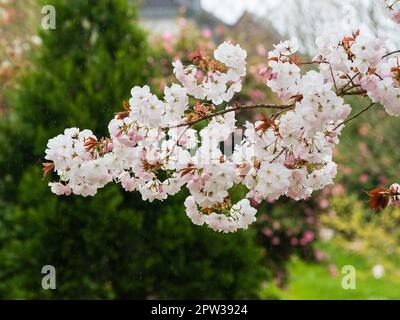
[{"x": 18, "y": 37}]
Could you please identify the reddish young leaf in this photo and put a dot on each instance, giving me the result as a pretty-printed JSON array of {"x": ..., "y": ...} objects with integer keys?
[
  {"x": 47, "y": 167},
  {"x": 126, "y": 106},
  {"x": 348, "y": 39},
  {"x": 90, "y": 143},
  {"x": 380, "y": 198}
]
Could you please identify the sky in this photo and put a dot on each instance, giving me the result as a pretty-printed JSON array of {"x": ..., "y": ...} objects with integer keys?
[
  {"x": 230, "y": 10},
  {"x": 318, "y": 17}
]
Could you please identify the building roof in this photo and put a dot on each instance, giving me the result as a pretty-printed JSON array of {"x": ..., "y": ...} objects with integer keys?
[{"x": 168, "y": 8}]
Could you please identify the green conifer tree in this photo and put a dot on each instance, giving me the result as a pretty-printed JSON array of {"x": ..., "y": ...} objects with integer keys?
[{"x": 113, "y": 245}]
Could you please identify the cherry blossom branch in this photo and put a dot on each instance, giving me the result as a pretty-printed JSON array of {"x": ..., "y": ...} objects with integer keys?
[
  {"x": 390, "y": 53},
  {"x": 278, "y": 155},
  {"x": 222, "y": 112},
  {"x": 351, "y": 81},
  {"x": 333, "y": 77},
  {"x": 282, "y": 108},
  {"x": 355, "y": 116},
  {"x": 356, "y": 93},
  {"x": 136, "y": 156},
  {"x": 392, "y": 5}
]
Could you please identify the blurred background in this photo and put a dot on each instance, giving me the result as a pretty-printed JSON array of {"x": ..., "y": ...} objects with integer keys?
[{"x": 115, "y": 246}]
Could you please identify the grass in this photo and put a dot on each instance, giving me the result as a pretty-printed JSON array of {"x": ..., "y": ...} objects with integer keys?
[{"x": 313, "y": 280}]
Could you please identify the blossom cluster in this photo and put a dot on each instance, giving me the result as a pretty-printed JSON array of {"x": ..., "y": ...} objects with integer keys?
[
  {"x": 154, "y": 148},
  {"x": 364, "y": 61},
  {"x": 223, "y": 75}
]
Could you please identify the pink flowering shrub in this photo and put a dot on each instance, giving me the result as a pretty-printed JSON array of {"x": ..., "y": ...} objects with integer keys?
[{"x": 17, "y": 39}]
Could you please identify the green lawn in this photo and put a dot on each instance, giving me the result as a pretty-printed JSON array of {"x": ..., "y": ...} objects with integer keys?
[{"x": 313, "y": 281}]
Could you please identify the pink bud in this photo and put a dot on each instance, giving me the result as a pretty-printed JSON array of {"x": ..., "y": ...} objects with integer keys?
[
  {"x": 67, "y": 190},
  {"x": 130, "y": 133},
  {"x": 317, "y": 58},
  {"x": 254, "y": 202}
]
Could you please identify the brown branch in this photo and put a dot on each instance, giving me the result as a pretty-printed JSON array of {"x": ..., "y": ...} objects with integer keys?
[
  {"x": 356, "y": 93},
  {"x": 278, "y": 113},
  {"x": 344, "y": 89},
  {"x": 355, "y": 116},
  {"x": 281, "y": 108},
  {"x": 390, "y": 53},
  {"x": 278, "y": 155},
  {"x": 333, "y": 77},
  {"x": 222, "y": 112},
  {"x": 392, "y": 5}
]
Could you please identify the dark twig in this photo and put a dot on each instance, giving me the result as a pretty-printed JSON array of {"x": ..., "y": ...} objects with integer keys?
[
  {"x": 333, "y": 77},
  {"x": 278, "y": 155},
  {"x": 355, "y": 116},
  {"x": 390, "y": 53},
  {"x": 222, "y": 112}
]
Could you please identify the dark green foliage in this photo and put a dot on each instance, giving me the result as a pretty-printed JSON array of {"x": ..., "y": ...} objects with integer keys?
[
  {"x": 113, "y": 245},
  {"x": 102, "y": 249}
]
